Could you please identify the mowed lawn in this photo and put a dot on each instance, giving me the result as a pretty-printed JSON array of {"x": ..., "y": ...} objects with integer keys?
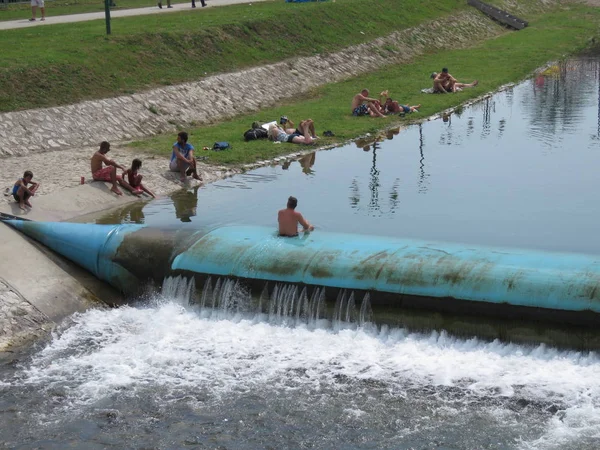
[{"x": 63, "y": 64}]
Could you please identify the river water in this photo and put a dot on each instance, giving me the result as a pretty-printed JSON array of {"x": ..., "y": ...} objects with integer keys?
[{"x": 518, "y": 169}]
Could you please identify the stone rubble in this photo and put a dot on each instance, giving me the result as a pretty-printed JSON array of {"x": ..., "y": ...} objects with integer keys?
[{"x": 20, "y": 322}]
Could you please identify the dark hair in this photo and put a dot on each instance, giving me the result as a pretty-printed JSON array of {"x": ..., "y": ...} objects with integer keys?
[
  {"x": 183, "y": 135},
  {"x": 445, "y": 70},
  {"x": 104, "y": 146},
  {"x": 28, "y": 173},
  {"x": 136, "y": 164},
  {"x": 292, "y": 202}
]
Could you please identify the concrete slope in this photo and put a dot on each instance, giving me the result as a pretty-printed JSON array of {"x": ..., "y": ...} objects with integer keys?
[{"x": 39, "y": 288}]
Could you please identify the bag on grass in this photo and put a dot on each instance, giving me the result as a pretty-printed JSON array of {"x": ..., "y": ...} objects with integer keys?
[
  {"x": 221, "y": 146},
  {"x": 255, "y": 133}
]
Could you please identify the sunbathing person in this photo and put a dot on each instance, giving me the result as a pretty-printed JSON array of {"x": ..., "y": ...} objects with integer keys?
[
  {"x": 363, "y": 105},
  {"x": 278, "y": 134},
  {"x": 135, "y": 179},
  {"x": 108, "y": 173},
  {"x": 22, "y": 192},
  {"x": 393, "y": 107},
  {"x": 444, "y": 83},
  {"x": 292, "y": 129}
]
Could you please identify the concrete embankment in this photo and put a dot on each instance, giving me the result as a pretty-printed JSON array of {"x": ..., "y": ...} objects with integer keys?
[{"x": 39, "y": 288}]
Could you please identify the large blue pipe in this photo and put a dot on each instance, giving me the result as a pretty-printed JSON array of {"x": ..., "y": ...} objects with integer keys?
[{"x": 123, "y": 255}]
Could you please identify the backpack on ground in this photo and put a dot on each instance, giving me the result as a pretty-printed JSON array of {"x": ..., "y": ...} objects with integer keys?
[
  {"x": 219, "y": 146},
  {"x": 255, "y": 133}
]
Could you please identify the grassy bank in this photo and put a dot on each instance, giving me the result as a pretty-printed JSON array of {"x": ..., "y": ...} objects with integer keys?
[
  {"x": 19, "y": 11},
  {"x": 509, "y": 58},
  {"x": 63, "y": 64}
]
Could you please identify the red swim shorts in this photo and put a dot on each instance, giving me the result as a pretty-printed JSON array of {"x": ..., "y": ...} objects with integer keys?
[{"x": 102, "y": 174}]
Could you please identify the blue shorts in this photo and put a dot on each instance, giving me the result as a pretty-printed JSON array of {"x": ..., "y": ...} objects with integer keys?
[
  {"x": 361, "y": 110},
  {"x": 291, "y": 137}
]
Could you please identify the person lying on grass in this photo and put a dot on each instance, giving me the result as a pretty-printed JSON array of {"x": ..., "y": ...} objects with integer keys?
[
  {"x": 393, "y": 107},
  {"x": 135, "y": 179},
  {"x": 363, "y": 105},
  {"x": 445, "y": 83},
  {"x": 301, "y": 135},
  {"x": 290, "y": 128},
  {"x": 21, "y": 192}
]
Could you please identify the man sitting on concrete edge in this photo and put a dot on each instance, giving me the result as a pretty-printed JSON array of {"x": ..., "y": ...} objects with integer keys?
[
  {"x": 182, "y": 158},
  {"x": 108, "y": 173}
]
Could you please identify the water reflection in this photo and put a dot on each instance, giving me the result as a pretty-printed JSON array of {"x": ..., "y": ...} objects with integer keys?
[
  {"x": 132, "y": 213},
  {"x": 423, "y": 182},
  {"x": 446, "y": 134},
  {"x": 516, "y": 169},
  {"x": 374, "y": 207},
  {"x": 307, "y": 162},
  {"x": 488, "y": 108},
  {"x": 185, "y": 203}
]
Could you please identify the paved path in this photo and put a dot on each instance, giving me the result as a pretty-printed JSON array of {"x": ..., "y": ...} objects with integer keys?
[{"x": 24, "y": 23}]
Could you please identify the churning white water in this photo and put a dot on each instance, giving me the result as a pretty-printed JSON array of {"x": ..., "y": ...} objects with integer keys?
[{"x": 526, "y": 397}]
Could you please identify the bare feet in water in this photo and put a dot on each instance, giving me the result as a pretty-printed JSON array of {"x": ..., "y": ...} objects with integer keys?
[{"x": 28, "y": 204}]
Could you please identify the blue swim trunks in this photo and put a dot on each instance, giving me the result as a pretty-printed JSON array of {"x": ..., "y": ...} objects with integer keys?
[{"x": 361, "y": 110}]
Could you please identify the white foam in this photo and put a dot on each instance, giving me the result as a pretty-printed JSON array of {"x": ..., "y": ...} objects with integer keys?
[{"x": 173, "y": 348}]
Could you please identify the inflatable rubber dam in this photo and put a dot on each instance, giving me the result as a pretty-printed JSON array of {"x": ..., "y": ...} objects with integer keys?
[{"x": 501, "y": 293}]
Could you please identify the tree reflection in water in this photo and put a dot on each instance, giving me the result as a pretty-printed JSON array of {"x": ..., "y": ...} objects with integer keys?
[
  {"x": 374, "y": 206},
  {"x": 423, "y": 183}
]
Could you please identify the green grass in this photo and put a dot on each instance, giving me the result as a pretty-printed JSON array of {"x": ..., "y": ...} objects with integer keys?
[
  {"x": 511, "y": 57},
  {"x": 66, "y": 63},
  {"x": 18, "y": 11}
]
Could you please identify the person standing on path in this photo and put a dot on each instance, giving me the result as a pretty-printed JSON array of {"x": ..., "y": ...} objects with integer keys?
[
  {"x": 201, "y": 1},
  {"x": 34, "y": 7}
]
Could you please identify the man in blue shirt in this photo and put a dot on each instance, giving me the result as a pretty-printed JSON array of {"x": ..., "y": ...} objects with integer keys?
[{"x": 182, "y": 158}]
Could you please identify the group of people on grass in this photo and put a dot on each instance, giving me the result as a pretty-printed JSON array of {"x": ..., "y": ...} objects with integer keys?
[
  {"x": 363, "y": 105},
  {"x": 182, "y": 156}
]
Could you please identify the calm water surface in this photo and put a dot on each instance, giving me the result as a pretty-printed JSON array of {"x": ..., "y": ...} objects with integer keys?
[{"x": 518, "y": 169}]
